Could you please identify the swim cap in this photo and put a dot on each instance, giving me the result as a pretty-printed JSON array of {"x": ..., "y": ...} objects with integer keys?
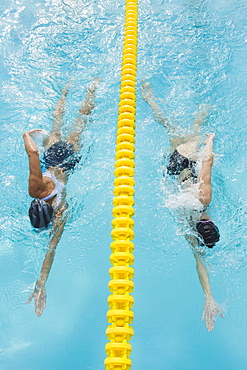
[
  {"x": 208, "y": 231},
  {"x": 40, "y": 213}
]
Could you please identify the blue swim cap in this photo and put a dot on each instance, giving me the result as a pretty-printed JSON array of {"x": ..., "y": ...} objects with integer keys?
[
  {"x": 208, "y": 231},
  {"x": 40, "y": 213}
]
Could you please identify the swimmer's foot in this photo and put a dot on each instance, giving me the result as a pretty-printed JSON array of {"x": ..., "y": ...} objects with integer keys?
[
  {"x": 88, "y": 104},
  {"x": 92, "y": 87},
  {"x": 66, "y": 88},
  {"x": 146, "y": 92}
]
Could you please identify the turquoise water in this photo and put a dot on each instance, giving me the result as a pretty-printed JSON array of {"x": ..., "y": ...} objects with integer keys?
[{"x": 192, "y": 53}]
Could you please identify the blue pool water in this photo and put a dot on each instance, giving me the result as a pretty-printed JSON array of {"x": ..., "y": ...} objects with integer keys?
[{"x": 192, "y": 53}]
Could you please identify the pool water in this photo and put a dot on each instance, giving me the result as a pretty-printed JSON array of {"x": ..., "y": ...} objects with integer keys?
[{"x": 192, "y": 53}]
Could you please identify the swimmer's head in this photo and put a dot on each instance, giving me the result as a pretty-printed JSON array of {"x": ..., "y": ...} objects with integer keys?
[
  {"x": 40, "y": 213},
  {"x": 208, "y": 231}
]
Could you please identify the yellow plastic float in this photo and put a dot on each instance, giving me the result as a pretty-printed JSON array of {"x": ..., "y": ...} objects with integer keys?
[{"x": 121, "y": 285}]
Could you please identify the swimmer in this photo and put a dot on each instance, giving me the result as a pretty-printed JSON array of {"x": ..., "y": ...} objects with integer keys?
[
  {"x": 49, "y": 188},
  {"x": 183, "y": 164}
]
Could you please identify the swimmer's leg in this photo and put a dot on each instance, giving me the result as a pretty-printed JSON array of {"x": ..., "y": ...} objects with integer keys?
[
  {"x": 190, "y": 145},
  {"x": 58, "y": 113},
  {"x": 201, "y": 118},
  {"x": 194, "y": 138},
  {"x": 148, "y": 96},
  {"x": 87, "y": 106}
]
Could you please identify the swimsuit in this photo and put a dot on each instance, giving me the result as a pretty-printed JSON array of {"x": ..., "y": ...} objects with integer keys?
[
  {"x": 178, "y": 163},
  {"x": 62, "y": 155},
  {"x": 59, "y": 186}
]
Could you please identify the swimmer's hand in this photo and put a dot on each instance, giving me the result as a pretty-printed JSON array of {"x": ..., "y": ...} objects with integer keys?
[
  {"x": 39, "y": 295},
  {"x": 33, "y": 131},
  {"x": 210, "y": 310}
]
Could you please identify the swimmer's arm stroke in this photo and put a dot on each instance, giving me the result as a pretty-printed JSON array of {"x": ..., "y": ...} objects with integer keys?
[
  {"x": 35, "y": 182},
  {"x": 211, "y": 308},
  {"x": 39, "y": 293},
  {"x": 204, "y": 180}
]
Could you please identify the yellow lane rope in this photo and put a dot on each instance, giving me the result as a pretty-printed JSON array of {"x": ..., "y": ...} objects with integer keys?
[{"x": 120, "y": 301}]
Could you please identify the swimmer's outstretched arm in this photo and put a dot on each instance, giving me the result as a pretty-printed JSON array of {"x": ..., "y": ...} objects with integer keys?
[
  {"x": 148, "y": 96},
  {"x": 211, "y": 308},
  {"x": 39, "y": 293}
]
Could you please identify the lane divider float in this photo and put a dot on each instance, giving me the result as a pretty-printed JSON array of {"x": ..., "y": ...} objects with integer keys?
[{"x": 121, "y": 285}]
